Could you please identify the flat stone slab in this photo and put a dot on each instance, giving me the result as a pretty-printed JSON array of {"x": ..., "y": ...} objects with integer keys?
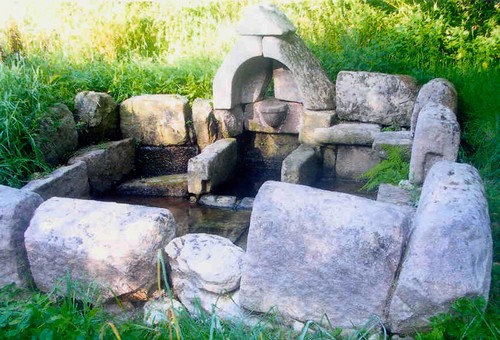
[
  {"x": 218, "y": 201},
  {"x": 68, "y": 181},
  {"x": 16, "y": 209},
  {"x": 379, "y": 98},
  {"x": 212, "y": 167},
  {"x": 312, "y": 253},
  {"x": 393, "y": 194},
  {"x": 347, "y": 133},
  {"x": 168, "y": 186},
  {"x": 302, "y": 166},
  {"x": 113, "y": 247},
  {"x": 354, "y": 161},
  {"x": 107, "y": 164},
  {"x": 449, "y": 254},
  {"x": 402, "y": 139}
]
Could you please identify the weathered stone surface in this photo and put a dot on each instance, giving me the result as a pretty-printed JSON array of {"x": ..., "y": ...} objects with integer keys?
[
  {"x": 204, "y": 123},
  {"x": 163, "y": 160},
  {"x": 375, "y": 97},
  {"x": 449, "y": 254},
  {"x": 107, "y": 164},
  {"x": 285, "y": 86},
  {"x": 96, "y": 114},
  {"x": 230, "y": 77},
  {"x": 112, "y": 246},
  {"x": 347, "y": 133},
  {"x": 311, "y": 120},
  {"x": 212, "y": 167},
  {"x": 264, "y": 19},
  {"x": 353, "y": 161},
  {"x": 245, "y": 204},
  {"x": 218, "y": 201},
  {"x": 67, "y": 181},
  {"x": 259, "y": 116},
  {"x": 158, "y": 120},
  {"x": 402, "y": 139},
  {"x": 254, "y": 76},
  {"x": 208, "y": 268},
  {"x": 329, "y": 162},
  {"x": 57, "y": 135},
  {"x": 312, "y": 252},
  {"x": 394, "y": 194},
  {"x": 159, "y": 310},
  {"x": 439, "y": 91},
  {"x": 302, "y": 166},
  {"x": 437, "y": 137},
  {"x": 168, "y": 185},
  {"x": 16, "y": 209},
  {"x": 230, "y": 122},
  {"x": 318, "y": 92}
]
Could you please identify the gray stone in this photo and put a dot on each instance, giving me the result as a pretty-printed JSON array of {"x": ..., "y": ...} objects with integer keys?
[
  {"x": 312, "y": 253},
  {"x": 96, "y": 115},
  {"x": 394, "y": 194},
  {"x": 375, "y": 97},
  {"x": 113, "y": 247},
  {"x": 57, "y": 135},
  {"x": 68, "y": 181},
  {"x": 439, "y": 91},
  {"x": 402, "y": 139},
  {"x": 254, "y": 77},
  {"x": 329, "y": 162},
  {"x": 206, "y": 268},
  {"x": 168, "y": 186},
  {"x": 245, "y": 204},
  {"x": 160, "y": 309},
  {"x": 437, "y": 137},
  {"x": 107, "y": 164},
  {"x": 16, "y": 209},
  {"x": 218, "y": 201},
  {"x": 230, "y": 77},
  {"x": 318, "y": 92},
  {"x": 204, "y": 123},
  {"x": 449, "y": 254},
  {"x": 354, "y": 161},
  {"x": 285, "y": 86},
  {"x": 347, "y": 133},
  {"x": 311, "y": 120},
  {"x": 163, "y": 160},
  {"x": 264, "y": 19},
  {"x": 212, "y": 167},
  {"x": 260, "y": 116},
  {"x": 230, "y": 122},
  {"x": 302, "y": 166},
  {"x": 158, "y": 120}
]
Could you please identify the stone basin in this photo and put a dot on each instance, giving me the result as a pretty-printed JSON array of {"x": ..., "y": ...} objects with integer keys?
[{"x": 273, "y": 111}]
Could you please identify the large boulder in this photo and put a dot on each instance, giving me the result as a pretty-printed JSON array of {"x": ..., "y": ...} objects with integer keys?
[
  {"x": 449, "y": 254},
  {"x": 158, "y": 120},
  {"x": 439, "y": 91},
  {"x": 68, "y": 181},
  {"x": 375, "y": 97},
  {"x": 110, "y": 246},
  {"x": 312, "y": 253},
  {"x": 16, "y": 209},
  {"x": 107, "y": 164},
  {"x": 437, "y": 137},
  {"x": 57, "y": 136},
  {"x": 206, "y": 268},
  {"x": 96, "y": 115}
]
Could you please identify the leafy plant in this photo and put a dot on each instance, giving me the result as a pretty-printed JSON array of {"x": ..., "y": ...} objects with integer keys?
[{"x": 391, "y": 170}]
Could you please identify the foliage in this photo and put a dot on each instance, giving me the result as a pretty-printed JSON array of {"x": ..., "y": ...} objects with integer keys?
[{"x": 391, "y": 170}]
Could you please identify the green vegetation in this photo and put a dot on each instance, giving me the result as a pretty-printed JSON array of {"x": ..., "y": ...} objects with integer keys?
[
  {"x": 391, "y": 170},
  {"x": 52, "y": 50}
]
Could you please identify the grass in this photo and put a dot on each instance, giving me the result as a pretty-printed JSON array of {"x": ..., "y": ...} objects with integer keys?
[
  {"x": 51, "y": 50},
  {"x": 391, "y": 170}
]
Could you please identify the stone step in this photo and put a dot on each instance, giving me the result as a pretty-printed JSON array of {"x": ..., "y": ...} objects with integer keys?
[{"x": 168, "y": 186}]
